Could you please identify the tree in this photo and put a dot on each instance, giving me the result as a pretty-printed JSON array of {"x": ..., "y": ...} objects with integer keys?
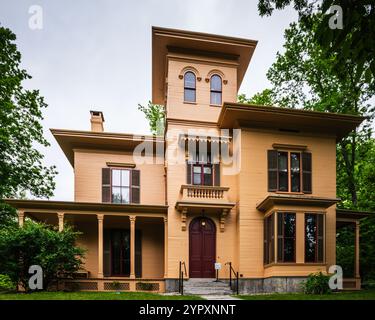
[
  {"x": 38, "y": 244},
  {"x": 354, "y": 40},
  {"x": 304, "y": 77},
  {"x": 264, "y": 98},
  {"x": 21, "y": 167},
  {"x": 155, "y": 114}
]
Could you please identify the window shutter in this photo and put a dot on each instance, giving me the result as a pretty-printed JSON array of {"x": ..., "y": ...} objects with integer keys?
[
  {"x": 136, "y": 183},
  {"x": 306, "y": 172},
  {"x": 106, "y": 185},
  {"x": 217, "y": 174},
  {"x": 188, "y": 172},
  {"x": 272, "y": 170}
]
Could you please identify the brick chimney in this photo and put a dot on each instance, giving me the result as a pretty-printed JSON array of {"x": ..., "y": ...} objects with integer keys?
[{"x": 97, "y": 120}]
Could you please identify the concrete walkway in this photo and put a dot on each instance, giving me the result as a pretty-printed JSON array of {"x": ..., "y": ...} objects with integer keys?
[{"x": 219, "y": 297}]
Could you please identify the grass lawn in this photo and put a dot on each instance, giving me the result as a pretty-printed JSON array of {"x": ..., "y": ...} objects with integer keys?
[
  {"x": 346, "y": 295},
  {"x": 92, "y": 296}
]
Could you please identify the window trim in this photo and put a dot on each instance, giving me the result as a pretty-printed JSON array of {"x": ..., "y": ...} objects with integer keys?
[
  {"x": 130, "y": 185},
  {"x": 289, "y": 152},
  {"x": 216, "y": 91},
  {"x": 283, "y": 213},
  {"x": 190, "y": 88},
  {"x": 316, "y": 253}
]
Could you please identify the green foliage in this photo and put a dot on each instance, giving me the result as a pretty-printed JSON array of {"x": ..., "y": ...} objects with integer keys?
[
  {"x": 21, "y": 166},
  {"x": 367, "y": 245},
  {"x": 38, "y": 244},
  {"x": 155, "y": 114},
  {"x": 316, "y": 283},
  {"x": 264, "y": 98},
  {"x": 6, "y": 284},
  {"x": 345, "y": 250},
  {"x": 355, "y": 42}
]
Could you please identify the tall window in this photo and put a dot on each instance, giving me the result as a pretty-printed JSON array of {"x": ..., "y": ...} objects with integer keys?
[
  {"x": 286, "y": 237},
  {"x": 202, "y": 171},
  {"x": 120, "y": 186},
  {"x": 215, "y": 90},
  {"x": 314, "y": 237},
  {"x": 189, "y": 87},
  {"x": 285, "y": 171},
  {"x": 269, "y": 239}
]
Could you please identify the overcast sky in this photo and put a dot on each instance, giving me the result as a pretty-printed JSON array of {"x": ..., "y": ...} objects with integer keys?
[{"x": 97, "y": 55}]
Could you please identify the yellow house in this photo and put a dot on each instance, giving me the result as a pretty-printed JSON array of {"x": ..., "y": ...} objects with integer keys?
[{"x": 241, "y": 192}]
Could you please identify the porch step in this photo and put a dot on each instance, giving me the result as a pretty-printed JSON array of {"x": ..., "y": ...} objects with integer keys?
[{"x": 206, "y": 287}]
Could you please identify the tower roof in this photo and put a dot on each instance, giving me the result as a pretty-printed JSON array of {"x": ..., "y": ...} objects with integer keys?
[{"x": 164, "y": 39}]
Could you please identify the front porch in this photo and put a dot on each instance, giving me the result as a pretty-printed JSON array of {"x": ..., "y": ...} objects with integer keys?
[{"x": 125, "y": 243}]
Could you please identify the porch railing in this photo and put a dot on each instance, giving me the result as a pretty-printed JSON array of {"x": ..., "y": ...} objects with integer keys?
[
  {"x": 233, "y": 283},
  {"x": 181, "y": 269}
]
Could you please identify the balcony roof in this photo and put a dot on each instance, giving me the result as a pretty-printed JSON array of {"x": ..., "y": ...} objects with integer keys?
[
  {"x": 164, "y": 39},
  {"x": 73, "y": 139},
  {"x": 295, "y": 200},
  {"x": 237, "y": 115}
]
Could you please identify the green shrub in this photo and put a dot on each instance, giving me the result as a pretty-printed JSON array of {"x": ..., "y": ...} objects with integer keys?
[
  {"x": 6, "y": 284},
  {"x": 316, "y": 283}
]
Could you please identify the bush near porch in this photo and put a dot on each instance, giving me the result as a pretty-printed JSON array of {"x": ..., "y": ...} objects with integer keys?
[{"x": 38, "y": 244}]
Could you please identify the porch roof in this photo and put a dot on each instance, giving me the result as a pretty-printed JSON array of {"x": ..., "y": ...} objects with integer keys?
[
  {"x": 94, "y": 207},
  {"x": 299, "y": 200},
  {"x": 352, "y": 214}
]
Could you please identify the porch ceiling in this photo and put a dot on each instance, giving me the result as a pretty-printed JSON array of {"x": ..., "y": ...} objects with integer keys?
[{"x": 299, "y": 200}]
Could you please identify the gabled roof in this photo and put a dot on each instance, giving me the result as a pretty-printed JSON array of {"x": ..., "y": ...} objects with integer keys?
[
  {"x": 237, "y": 115},
  {"x": 226, "y": 47}
]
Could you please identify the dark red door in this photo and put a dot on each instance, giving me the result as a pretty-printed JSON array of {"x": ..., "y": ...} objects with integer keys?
[{"x": 202, "y": 245}]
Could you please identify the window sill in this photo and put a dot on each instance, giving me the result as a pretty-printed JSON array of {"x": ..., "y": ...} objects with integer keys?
[
  {"x": 215, "y": 105},
  {"x": 287, "y": 192},
  {"x": 190, "y": 102}
]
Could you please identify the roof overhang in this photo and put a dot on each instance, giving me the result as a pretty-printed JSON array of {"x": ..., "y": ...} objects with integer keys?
[
  {"x": 70, "y": 140},
  {"x": 164, "y": 39},
  {"x": 239, "y": 115},
  {"x": 344, "y": 214},
  {"x": 295, "y": 200},
  {"x": 93, "y": 207}
]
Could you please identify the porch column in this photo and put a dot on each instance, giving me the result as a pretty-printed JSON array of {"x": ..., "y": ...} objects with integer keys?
[
  {"x": 132, "y": 247},
  {"x": 21, "y": 218},
  {"x": 357, "y": 249},
  {"x": 60, "y": 216},
  {"x": 100, "y": 245},
  {"x": 165, "y": 247}
]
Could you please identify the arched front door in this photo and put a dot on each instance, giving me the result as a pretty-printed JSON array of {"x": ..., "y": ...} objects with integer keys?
[{"x": 202, "y": 247}]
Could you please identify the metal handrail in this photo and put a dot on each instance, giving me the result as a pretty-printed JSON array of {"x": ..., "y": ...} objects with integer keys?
[
  {"x": 181, "y": 277},
  {"x": 231, "y": 270}
]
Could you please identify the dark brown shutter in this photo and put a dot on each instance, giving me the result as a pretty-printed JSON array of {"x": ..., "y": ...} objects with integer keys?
[
  {"x": 272, "y": 170},
  {"x": 106, "y": 185},
  {"x": 217, "y": 174},
  {"x": 306, "y": 172},
  {"x": 188, "y": 172},
  {"x": 107, "y": 253},
  {"x": 136, "y": 183}
]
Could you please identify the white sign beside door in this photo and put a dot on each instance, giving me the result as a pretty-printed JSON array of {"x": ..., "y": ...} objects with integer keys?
[{"x": 217, "y": 266}]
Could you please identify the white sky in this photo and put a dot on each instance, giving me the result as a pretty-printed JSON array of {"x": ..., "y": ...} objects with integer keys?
[{"x": 97, "y": 55}]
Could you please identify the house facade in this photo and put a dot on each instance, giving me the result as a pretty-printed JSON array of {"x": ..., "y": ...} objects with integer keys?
[{"x": 249, "y": 190}]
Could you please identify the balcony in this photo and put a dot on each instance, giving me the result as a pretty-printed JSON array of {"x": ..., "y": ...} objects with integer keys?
[{"x": 204, "y": 200}]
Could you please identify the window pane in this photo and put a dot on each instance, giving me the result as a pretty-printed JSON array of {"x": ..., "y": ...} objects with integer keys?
[
  {"x": 116, "y": 194},
  {"x": 197, "y": 169},
  {"x": 215, "y": 83},
  {"x": 125, "y": 195},
  {"x": 116, "y": 177},
  {"x": 207, "y": 170},
  {"x": 310, "y": 237},
  {"x": 295, "y": 172},
  {"x": 125, "y": 180},
  {"x": 289, "y": 225},
  {"x": 216, "y": 98},
  {"x": 283, "y": 171},
  {"x": 289, "y": 250},
  {"x": 189, "y": 95},
  {"x": 207, "y": 176},
  {"x": 189, "y": 80},
  {"x": 197, "y": 179}
]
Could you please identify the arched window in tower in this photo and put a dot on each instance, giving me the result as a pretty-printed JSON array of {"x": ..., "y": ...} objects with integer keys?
[
  {"x": 189, "y": 87},
  {"x": 215, "y": 90}
]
